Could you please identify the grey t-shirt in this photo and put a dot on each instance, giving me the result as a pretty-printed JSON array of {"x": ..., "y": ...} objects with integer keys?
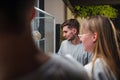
[
  {"x": 58, "y": 68},
  {"x": 101, "y": 71},
  {"x": 76, "y": 51}
]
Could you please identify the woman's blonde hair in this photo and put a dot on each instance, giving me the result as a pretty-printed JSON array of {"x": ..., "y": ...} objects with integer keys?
[{"x": 106, "y": 45}]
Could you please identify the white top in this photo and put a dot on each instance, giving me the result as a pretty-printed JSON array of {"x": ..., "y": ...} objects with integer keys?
[{"x": 100, "y": 71}]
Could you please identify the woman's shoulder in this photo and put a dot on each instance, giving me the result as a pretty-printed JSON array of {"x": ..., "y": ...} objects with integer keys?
[{"x": 101, "y": 70}]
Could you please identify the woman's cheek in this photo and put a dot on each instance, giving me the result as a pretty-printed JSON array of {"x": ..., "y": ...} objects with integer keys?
[
  {"x": 85, "y": 45},
  {"x": 84, "y": 42}
]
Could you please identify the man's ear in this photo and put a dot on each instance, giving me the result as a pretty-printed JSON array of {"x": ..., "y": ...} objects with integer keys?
[
  {"x": 74, "y": 30},
  {"x": 32, "y": 13},
  {"x": 95, "y": 37}
]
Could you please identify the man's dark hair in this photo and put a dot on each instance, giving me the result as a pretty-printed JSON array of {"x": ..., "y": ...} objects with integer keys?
[
  {"x": 71, "y": 23},
  {"x": 13, "y": 14}
]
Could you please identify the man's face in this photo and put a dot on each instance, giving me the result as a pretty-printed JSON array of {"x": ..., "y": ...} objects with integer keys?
[{"x": 69, "y": 34}]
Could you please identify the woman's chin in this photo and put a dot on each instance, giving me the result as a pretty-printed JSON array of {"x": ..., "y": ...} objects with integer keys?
[{"x": 88, "y": 50}]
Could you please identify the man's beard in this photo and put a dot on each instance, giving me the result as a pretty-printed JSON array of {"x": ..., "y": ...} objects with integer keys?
[{"x": 72, "y": 38}]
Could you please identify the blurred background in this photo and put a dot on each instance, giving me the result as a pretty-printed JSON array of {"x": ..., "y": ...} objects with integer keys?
[{"x": 50, "y": 14}]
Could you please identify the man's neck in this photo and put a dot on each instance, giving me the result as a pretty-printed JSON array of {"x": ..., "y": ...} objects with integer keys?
[{"x": 76, "y": 40}]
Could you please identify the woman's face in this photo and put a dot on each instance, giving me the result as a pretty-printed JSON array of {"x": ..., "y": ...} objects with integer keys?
[{"x": 87, "y": 39}]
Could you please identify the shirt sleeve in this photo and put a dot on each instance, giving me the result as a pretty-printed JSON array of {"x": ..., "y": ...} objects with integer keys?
[{"x": 60, "y": 49}]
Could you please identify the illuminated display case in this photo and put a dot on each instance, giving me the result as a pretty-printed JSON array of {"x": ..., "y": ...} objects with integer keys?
[{"x": 43, "y": 29}]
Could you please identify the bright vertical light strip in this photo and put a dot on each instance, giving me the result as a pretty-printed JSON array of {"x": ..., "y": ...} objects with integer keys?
[{"x": 54, "y": 35}]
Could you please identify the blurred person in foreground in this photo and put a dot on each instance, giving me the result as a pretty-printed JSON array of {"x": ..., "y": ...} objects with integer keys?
[
  {"x": 72, "y": 46},
  {"x": 99, "y": 36},
  {"x": 20, "y": 59}
]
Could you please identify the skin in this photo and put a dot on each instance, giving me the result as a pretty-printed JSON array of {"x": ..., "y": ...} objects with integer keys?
[
  {"x": 70, "y": 35},
  {"x": 88, "y": 39}
]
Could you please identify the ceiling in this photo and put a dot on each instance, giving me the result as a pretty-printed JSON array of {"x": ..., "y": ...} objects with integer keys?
[
  {"x": 72, "y": 3},
  {"x": 92, "y": 2},
  {"x": 116, "y": 3}
]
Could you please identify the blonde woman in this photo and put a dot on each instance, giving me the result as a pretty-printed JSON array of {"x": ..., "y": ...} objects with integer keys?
[{"x": 98, "y": 36}]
